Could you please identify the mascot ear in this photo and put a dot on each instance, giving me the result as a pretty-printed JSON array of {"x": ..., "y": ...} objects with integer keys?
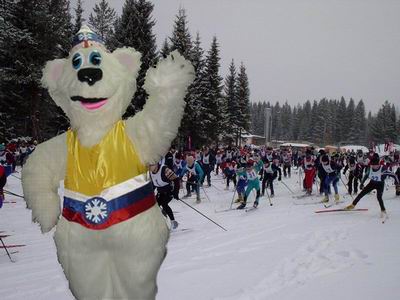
[
  {"x": 130, "y": 58},
  {"x": 52, "y": 73}
]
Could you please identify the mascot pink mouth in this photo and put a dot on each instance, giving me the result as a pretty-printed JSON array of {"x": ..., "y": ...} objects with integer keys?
[{"x": 90, "y": 103}]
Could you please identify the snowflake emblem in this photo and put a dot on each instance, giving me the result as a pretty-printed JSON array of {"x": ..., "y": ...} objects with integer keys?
[{"x": 96, "y": 210}]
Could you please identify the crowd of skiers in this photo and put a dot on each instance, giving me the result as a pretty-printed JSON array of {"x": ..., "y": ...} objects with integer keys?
[
  {"x": 250, "y": 169},
  {"x": 255, "y": 169},
  {"x": 12, "y": 154}
]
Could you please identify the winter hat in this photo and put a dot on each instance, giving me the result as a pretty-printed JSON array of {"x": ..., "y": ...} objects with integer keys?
[
  {"x": 325, "y": 158},
  {"x": 266, "y": 161},
  {"x": 375, "y": 159},
  {"x": 86, "y": 38},
  {"x": 249, "y": 164}
]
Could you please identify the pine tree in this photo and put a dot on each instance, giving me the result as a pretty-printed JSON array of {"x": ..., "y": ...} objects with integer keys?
[
  {"x": 79, "y": 19},
  {"x": 243, "y": 97},
  {"x": 359, "y": 124},
  {"x": 296, "y": 122},
  {"x": 213, "y": 91},
  {"x": 305, "y": 127},
  {"x": 286, "y": 119},
  {"x": 135, "y": 29},
  {"x": 195, "y": 111},
  {"x": 10, "y": 103},
  {"x": 349, "y": 134},
  {"x": 45, "y": 29},
  {"x": 384, "y": 126},
  {"x": 276, "y": 121},
  {"x": 181, "y": 39},
  {"x": 369, "y": 129},
  {"x": 165, "y": 50},
  {"x": 102, "y": 20},
  {"x": 230, "y": 89},
  {"x": 342, "y": 126}
]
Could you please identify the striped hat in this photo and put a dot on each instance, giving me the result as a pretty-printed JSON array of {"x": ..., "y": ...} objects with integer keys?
[{"x": 85, "y": 38}]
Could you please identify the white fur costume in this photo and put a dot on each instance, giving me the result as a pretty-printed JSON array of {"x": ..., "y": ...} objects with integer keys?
[{"x": 122, "y": 261}]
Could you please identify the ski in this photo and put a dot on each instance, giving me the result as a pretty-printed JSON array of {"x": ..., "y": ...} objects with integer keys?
[
  {"x": 9, "y": 201},
  {"x": 327, "y": 205},
  {"x": 224, "y": 210},
  {"x": 181, "y": 230},
  {"x": 250, "y": 209},
  {"x": 12, "y": 252},
  {"x": 385, "y": 218},
  {"x": 13, "y": 194},
  {"x": 303, "y": 196},
  {"x": 307, "y": 203},
  {"x": 11, "y": 246},
  {"x": 340, "y": 209}
]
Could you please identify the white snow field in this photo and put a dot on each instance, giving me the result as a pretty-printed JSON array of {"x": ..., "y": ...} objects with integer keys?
[{"x": 284, "y": 251}]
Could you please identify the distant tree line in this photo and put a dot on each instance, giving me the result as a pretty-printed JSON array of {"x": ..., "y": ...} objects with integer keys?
[
  {"x": 328, "y": 122},
  {"x": 35, "y": 31}
]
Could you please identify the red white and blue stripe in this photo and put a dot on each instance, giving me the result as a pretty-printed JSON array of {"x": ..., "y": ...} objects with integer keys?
[{"x": 111, "y": 207}]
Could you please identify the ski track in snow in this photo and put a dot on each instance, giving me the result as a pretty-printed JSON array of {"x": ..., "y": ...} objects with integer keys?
[
  {"x": 269, "y": 253},
  {"x": 317, "y": 257}
]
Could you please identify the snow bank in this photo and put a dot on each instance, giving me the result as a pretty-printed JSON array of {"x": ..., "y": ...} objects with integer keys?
[
  {"x": 354, "y": 148},
  {"x": 279, "y": 252}
]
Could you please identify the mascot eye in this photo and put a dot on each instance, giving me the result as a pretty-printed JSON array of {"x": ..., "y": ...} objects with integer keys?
[
  {"x": 77, "y": 61},
  {"x": 95, "y": 58}
]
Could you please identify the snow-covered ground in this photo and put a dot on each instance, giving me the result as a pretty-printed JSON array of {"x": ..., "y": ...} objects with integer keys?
[{"x": 284, "y": 251}]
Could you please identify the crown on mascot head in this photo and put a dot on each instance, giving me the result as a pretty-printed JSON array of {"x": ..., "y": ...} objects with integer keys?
[{"x": 86, "y": 38}]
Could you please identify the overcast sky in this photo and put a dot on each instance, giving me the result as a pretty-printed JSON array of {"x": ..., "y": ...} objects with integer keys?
[{"x": 299, "y": 49}]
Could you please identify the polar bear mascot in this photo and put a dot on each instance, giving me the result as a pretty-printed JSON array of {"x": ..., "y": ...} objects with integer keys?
[{"x": 111, "y": 236}]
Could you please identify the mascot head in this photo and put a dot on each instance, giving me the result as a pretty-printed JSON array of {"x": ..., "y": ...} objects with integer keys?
[{"x": 92, "y": 86}]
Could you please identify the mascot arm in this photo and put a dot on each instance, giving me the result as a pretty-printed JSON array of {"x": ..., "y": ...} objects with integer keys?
[
  {"x": 41, "y": 176},
  {"x": 153, "y": 128}
]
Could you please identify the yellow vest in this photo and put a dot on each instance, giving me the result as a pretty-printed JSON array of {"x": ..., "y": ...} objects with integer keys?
[{"x": 112, "y": 161}]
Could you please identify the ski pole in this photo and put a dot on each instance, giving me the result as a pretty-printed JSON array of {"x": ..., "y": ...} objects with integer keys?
[
  {"x": 287, "y": 187},
  {"x": 234, "y": 193},
  {"x": 387, "y": 186},
  {"x": 347, "y": 188},
  {"x": 11, "y": 193},
  {"x": 5, "y": 248},
  {"x": 205, "y": 193},
  {"x": 269, "y": 198},
  {"x": 16, "y": 176},
  {"x": 202, "y": 214}
]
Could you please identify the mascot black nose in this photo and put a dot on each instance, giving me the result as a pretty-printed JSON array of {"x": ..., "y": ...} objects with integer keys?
[{"x": 90, "y": 75}]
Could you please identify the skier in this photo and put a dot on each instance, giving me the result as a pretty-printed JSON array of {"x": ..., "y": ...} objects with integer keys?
[
  {"x": 269, "y": 173},
  {"x": 179, "y": 163},
  {"x": 331, "y": 176},
  {"x": 162, "y": 178},
  {"x": 230, "y": 173},
  {"x": 320, "y": 171},
  {"x": 218, "y": 162},
  {"x": 309, "y": 171},
  {"x": 377, "y": 175},
  {"x": 252, "y": 183},
  {"x": 398, "y": 185},
  {"x": 170, "y": 157},
  {"x": 10, "y": 156},
  {"x": 241, "y": 184},
  {"x": 206, "y": 163},
  {"x": 194, "y": 177},
  {"x": 3, "y": 181},
  {"x": 287, "y": 163},
  {"x": 355, "y": 175}
]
